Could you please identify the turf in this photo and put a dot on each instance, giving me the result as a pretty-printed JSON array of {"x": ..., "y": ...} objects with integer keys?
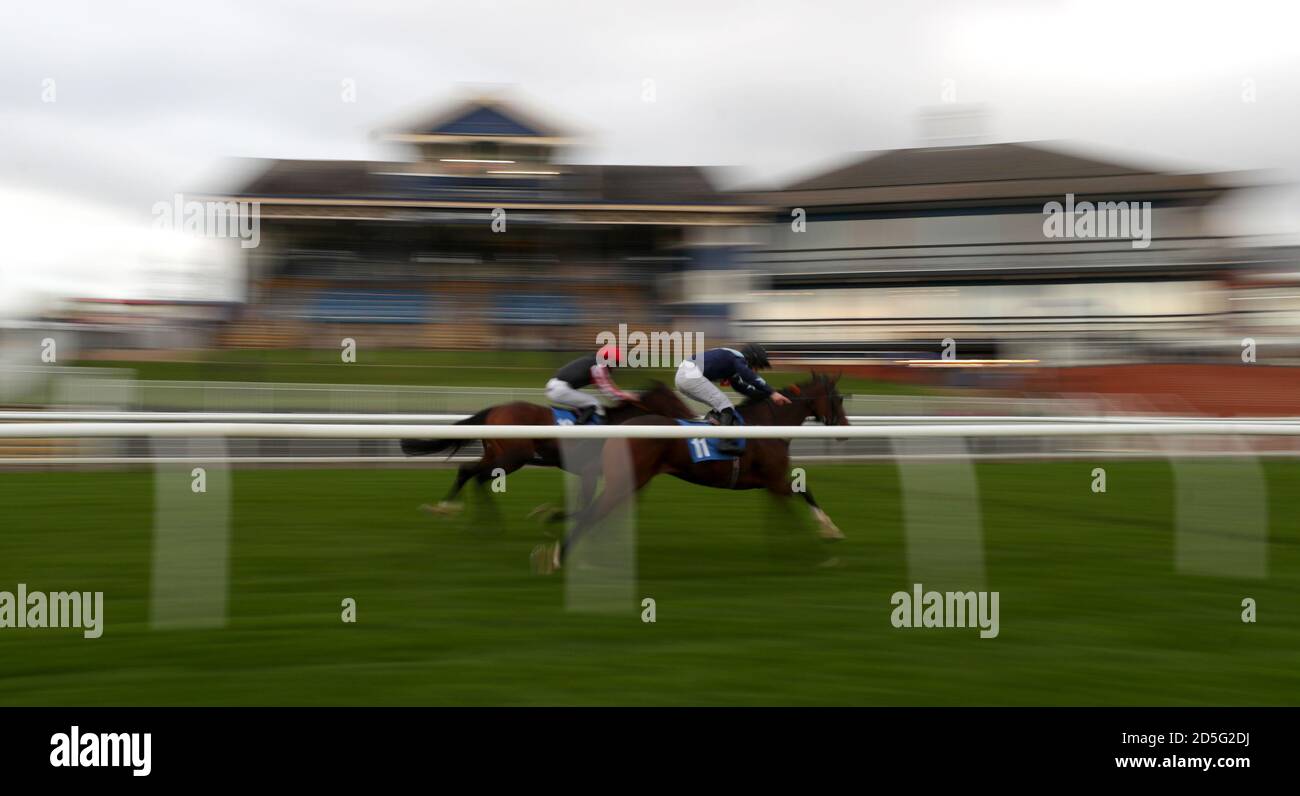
[
  {"x": 1092, "y": 609},
  {"x": 418, "y": 368}
]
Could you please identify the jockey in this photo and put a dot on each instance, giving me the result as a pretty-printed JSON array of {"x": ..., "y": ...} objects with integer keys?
[
  {"x": 696, "y": 376},
  {"x": 565, "y": 387}
]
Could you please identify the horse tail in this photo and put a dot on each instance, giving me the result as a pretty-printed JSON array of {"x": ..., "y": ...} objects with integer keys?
[{"x": 424, "y": 447}]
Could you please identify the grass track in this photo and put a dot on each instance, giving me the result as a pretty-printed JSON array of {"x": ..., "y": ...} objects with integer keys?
[{"x": 1092, "y": 611}]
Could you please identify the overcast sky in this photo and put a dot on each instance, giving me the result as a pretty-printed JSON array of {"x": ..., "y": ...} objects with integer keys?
[{"x": 150, "y": 97}]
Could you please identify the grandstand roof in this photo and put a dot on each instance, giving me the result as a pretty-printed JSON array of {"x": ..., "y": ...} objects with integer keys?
[
  {"x": 482, "y": 117},
  {"x": 901, "y": 179},
  {"x": 448, "y": 182},
  {"x": 601, "y": 184},
  {"x": 313, "y": 178},
  {"x": 984, "y": 174}
]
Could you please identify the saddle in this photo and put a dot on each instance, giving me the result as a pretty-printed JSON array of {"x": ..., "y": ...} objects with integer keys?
[{"x": 568, "y": 417}]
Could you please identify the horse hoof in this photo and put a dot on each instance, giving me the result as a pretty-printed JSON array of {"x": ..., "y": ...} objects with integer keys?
[
  {"x": 545, "y": 558},
  {"x": 831, "y": 533},
  {"x": 444, "y": 508},
  {"x": 544, "y": 512},
  {"x": 827, "y": 527}
]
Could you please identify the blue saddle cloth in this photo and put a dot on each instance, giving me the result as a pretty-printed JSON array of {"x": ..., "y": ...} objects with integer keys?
[
  {"x": 705, "y": 449},
  {"x": 566, "y": 417}
]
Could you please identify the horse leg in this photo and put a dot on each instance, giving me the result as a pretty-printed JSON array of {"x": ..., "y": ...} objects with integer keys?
[
  {"x": 781, "y": 487},
  {"x": 550, "y": 513},
  {"x": 618, "y": 489},
  {"x": 548, "y": 558},
  {"x": 450, "y": 505},
  {"x": 480, "y": 472},
  {"x": 505, "y": 458},
  {"x": 588, "y": 493},
  {"x": 828, "y": 529}
]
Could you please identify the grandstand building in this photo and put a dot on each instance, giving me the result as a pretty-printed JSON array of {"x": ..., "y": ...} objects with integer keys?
[
  {"x": 484, "y": 237},
  {"x": 901, "y": 249},
  {"x": 487, "y": 236}
]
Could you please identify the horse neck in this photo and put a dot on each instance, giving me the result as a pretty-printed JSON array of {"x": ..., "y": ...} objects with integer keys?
[
  {"x": 664, "y": 403},
  {"x": 622, "y": 411},
  {"x": 766, "y": 413}
]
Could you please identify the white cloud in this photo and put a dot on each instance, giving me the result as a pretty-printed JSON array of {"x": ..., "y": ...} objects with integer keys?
[{"x": 152, "y": 96}]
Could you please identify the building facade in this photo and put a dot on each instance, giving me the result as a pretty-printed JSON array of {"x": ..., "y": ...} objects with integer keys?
[
  {"x": 1011, "y": 250},
  {"x": 488, "y": 237},
  {"x": 485, "y": 238}
]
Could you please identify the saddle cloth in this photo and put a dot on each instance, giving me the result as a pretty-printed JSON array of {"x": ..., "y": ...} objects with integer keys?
[{"x": 705, "y": 449}]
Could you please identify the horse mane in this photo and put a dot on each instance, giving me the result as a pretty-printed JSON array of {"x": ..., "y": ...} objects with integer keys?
[
  {"x": 658, "y": 387},
  {"x": 748, "y": 402}
]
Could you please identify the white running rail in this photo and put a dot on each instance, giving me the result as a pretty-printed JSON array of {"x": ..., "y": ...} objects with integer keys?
[
  {"x": 636, "y": 431},
  {"x": 385, "y": 417}
]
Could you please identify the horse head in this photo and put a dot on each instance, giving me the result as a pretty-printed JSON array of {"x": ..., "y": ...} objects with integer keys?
[{"x": 826, "y": 405}]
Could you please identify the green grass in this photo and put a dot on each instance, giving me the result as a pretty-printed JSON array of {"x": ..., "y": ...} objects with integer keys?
[
  {"x": 1092, "y": 609},
  {"x": 417, "y": 368}
]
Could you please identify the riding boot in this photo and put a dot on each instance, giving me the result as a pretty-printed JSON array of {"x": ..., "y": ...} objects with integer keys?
[
  {"x": 584, "y": 415},
  {"x": 729, "y": 447}
]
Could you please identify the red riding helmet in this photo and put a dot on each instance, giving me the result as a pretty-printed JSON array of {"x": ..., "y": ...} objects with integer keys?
[{"x": 609, "y": 355}]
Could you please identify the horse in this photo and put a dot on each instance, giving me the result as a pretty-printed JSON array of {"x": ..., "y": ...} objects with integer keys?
[
  {"x": 764, "y": 464},
  {"x": 511, "y": 454}
]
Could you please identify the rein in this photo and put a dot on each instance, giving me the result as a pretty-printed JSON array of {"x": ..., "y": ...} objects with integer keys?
[{"x": 772, "y": 409}]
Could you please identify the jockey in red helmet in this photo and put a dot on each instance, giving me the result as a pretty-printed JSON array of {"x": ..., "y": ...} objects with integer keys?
[{"x": 565, "y": 388}]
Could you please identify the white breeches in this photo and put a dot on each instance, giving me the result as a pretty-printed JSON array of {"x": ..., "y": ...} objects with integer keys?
[
  {"x": 562, "y": 393},
  {"x": 692, "y": 382}
]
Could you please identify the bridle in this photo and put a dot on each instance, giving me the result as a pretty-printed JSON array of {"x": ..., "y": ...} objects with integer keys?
[{"x": 836, "y": 411}]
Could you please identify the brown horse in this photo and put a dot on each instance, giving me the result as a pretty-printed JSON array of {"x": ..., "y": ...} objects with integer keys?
[
  {"x": 582, "y": 458},
  {"x": 764, "y": 464}
]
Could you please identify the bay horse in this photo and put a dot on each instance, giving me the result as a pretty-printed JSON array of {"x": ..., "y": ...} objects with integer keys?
[
  {"x": 509, "y": 455},
  {"x": 764, "y": 464}
]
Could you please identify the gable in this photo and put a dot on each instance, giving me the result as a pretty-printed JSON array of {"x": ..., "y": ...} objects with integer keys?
[{"x": 482, "y": 120}]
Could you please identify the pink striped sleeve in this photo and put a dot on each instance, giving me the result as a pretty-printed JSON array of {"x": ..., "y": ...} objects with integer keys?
[{"x": 600, "y": 375}]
